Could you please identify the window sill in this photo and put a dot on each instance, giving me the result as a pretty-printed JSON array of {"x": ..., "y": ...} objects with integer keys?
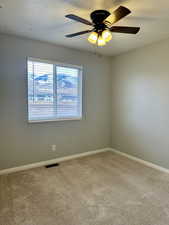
[{"x": 55, "y": 120}]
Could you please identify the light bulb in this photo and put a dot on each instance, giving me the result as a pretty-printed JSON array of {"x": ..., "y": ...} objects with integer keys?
[
  {"x": 106, "y": 35},
  {"x": 93, "y": 37},
  {"x": 101, "y": 41}
]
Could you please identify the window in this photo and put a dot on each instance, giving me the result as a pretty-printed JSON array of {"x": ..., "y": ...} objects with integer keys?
[{"x": 54, "y": 91}]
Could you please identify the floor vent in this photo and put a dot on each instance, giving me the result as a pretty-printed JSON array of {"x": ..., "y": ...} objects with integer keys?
[{"x": 52, "y": 165}]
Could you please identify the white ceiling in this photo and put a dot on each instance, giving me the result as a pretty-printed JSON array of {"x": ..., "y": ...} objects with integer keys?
[{"x": 44, "y": 20}]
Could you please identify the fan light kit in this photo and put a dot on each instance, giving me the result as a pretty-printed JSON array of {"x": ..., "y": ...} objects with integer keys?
[
  {"x": 101, "y": 38},
  {"x": 93, "y": 37},
  {"x": 102, "y": 23}
]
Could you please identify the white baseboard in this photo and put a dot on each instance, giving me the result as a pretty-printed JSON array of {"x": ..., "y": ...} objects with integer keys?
[
  {"x": 51, "y": 161},
  {"x": 75, "y": 156},
  {"x": 146, "y": 163}
]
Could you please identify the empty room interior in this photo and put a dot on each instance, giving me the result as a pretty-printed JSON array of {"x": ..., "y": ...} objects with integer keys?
[{"x": 84, "y": 112}]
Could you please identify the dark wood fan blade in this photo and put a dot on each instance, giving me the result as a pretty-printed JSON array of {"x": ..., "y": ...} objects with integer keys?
[
  {"x": 78, "y": 19},
  {"x": 127, "y": 30},
  {"x": 78, "y": 33},
  {"x": 118, "y": 14}
]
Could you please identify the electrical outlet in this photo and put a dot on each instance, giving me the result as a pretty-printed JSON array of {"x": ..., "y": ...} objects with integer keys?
[{"x": 53, "y": 148}]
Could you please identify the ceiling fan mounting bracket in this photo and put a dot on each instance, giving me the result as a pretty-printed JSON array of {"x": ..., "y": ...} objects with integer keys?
[{"x": 98, "y": 16}]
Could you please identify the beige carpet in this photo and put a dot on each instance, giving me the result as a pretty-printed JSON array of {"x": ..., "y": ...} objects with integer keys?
[{"x": 103, "y": 189}]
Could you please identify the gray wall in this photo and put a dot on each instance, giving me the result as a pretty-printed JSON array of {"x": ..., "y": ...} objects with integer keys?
[
  {"x": 23, "y": 143},
  {"x": 140, "y": 103},
  {"x": 139, "y": 95}
]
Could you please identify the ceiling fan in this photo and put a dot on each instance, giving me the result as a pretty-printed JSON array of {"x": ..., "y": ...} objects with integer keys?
[{"x": 102, "y": 23}]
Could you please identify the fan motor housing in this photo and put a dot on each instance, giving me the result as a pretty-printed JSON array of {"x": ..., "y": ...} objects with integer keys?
[{"x": 98, "y": 16}]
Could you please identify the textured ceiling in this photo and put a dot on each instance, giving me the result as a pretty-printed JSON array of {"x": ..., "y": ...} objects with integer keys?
[{"x": 44, "y": 20}]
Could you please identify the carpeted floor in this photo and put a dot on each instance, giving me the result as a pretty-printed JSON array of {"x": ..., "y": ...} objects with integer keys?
[{"x": 103, "y": 189}]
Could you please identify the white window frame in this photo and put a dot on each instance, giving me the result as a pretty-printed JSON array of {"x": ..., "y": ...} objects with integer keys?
[{"x": 55, "y": 82}]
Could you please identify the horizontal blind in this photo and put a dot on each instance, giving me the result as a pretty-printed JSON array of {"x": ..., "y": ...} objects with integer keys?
[
  {"x": 54, "y": 91},
  {"x": 40, "y": 91},
  {"x": 68, "y": 93}
]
